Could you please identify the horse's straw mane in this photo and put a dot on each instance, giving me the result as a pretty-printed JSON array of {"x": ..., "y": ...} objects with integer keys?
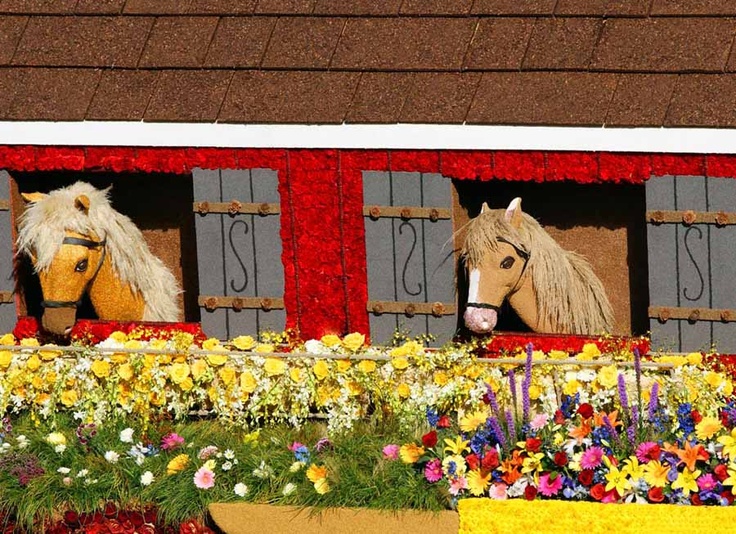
[
  {"x": 568, "y": 293},
  {"x": 43, "y": 226}
]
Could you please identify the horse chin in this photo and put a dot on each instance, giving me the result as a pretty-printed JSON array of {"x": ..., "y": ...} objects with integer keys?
[
  {"x": 480, "y": 320},
  {"x": 59, "y": 321}
]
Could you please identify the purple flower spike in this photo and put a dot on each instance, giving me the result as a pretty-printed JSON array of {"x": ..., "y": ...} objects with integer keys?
[
  {"x": 654, "y": 401},
  {"x": 622, "y": 393},
  {"x": 510, "y": 425},
  {"x": 498, "y": 431},
  {"x": 492, "y": 400}
]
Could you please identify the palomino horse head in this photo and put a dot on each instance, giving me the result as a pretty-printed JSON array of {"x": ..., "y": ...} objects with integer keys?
[
  {"x": 495, "y": 274},
  {"x": 69, "y": 273}
]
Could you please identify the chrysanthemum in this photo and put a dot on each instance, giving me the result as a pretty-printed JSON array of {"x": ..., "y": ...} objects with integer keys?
[
  {"x": 204, "y": 478},
  {"x": 550, "y": 484},
  {"x": 648, "y": 451},
  {"x": 478, "y": 482},
  {"x": 433, "y": 471},
  {"x": 591, "y": 458}
]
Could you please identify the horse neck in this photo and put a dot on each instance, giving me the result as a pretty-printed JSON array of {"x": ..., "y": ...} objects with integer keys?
[
  {"x": 112, "y": 298},
  {"x": 524, "y": 303}
]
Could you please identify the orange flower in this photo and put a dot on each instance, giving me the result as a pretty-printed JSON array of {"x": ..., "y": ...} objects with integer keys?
[
  {"x": 689, "y": 455},
  {"x": 580, "y": 432},
  {"x": 612, "y": 418}
]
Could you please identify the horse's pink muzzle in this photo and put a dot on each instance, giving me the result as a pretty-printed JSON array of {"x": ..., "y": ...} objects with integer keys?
[{"x": 480, "y": 320}]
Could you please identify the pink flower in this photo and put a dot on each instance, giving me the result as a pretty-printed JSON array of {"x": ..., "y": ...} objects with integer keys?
[
  {"x": 206, "y": 452},
  {"x": 549, "y": 486},
  {"x": 171, "y": 441},
  {"x": 295, "y": 446},
  {"x": 433, "y": 471},
  {"x": 498, "y": 491},
  {"x": 707, "y": 482},
  {"x": 458, "y": 484},
  {"x": 538, "y": 421},
  {"x": 204, "y": 478},
  {"x": 591, "y": 458},
  {"x": 391, "y": 452}
]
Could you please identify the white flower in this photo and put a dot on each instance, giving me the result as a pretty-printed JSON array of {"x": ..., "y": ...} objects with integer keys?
[
  {"x": 126, "y": 436},
  {"x": 263, "y": 471},
  {"x": 227, "y": 466},
  {"x": 139, "y": 460},
  {"x": 315, "y": 346},
  {"x": 296, "y": 466},
  {"x": 289, "y": 489},
  {"x": 60, "y": 449},
  {"x": 112, "y": 457},
  {"x": 67, "y": 481},
  {"x": 240, "y": 489},
  {"x": 22, "y": 441},
  {"x": 63, "y": 470},
  {"x": 229, "y": 454},
  {"x": 146, "y": 478},
  {"x": 206, "y": 452},
  {"x": 83, "y": 473}
]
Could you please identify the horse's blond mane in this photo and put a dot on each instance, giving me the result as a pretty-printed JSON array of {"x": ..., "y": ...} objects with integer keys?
[
  {"x": 44, "y": 223},
  {"x": 568, "y": 293}
]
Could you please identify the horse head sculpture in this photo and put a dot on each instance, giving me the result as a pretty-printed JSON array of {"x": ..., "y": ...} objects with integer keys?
[
  {"x": 79, "y": 244},
  {"x": 510, "y": 257}
]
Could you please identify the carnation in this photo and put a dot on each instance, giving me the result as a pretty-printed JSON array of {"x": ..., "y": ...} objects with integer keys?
[
  {"x": 240, "y": 489},
  {"x": 126, "y": 436},
  {"x": 146, "y": 478},
  {"x": 112, "y": 457}
]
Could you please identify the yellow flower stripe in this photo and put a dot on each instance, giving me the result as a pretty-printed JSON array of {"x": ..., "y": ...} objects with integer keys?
[{"x": 482, "y": 516}]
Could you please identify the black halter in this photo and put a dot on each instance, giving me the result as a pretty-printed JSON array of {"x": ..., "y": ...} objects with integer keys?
[
  {"x": 523, "y": 254},
  {"x": 82, "y": 242}
]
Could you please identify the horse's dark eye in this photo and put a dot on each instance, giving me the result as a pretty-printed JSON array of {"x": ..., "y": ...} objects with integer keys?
[
  {"x": 81, "y": 266},
  {"x": 507, "y": 262}
]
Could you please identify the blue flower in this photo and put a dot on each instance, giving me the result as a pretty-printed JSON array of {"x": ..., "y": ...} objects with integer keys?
[{"x": 432, "y": 417}]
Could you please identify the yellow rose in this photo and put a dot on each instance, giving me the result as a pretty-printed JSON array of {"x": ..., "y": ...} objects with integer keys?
[
  {"x": 296, "y": 375},
  {"x": 694, "y": 358},
  {"x": 330, "y": 340},
  {"x": 69, "y": 397},
  {"x": 118, "y": 357},
  {"x": 274, "y": 366},
  {"x": 354, "y": 388},
  {"x": 410, "y": 453},
  {"x": 177, "y": 464},
  {"x": 178, "y": 372},
  {"x": 157, "y": 344},
  {"x": 571, "y": 387},
  {"x": 50, "y": 377},
  {"x": 591, "y": 350},
  {"x": 367, "y": 366},
  {"x": 216, "y": 360},
  {"x": 134, "y": 344},
  {"x": 33, "y": 363},
  {"x": 343, "y": 365},
  {"x": 158, "y": 399},
  {"x": 399, "y": 352},
  {"x": 199, "y": 368},
  {"x": 48, "y": 355},
  {"x": 473, "y": 371},
  {"x": 400, "y": 363},
  {"x": 187, "y": 384},
  {"x": 100, "y": 368},
  {"x": 6, "y": 357},
  {"x": 321, "y": 370},
  {"x": 608, "y": 376},
  {"x": 227, "y": 375},
  {"x": 713, "y": 379},
  {"x": 264, "y": 348},
  {"x": 248, "y": 382},
  {"x": 244, "y": 342},
  {"x": 324, "y": 395},
  {"x": 557, "y": 355},
  {"x": 403, "y": 390},
  {"x": 534, "y": 392},
  {"x": 125, "y": 371},
  {"x": 7, "y": 339},
  {"x": 728, "y": 388},
  {"x": 118, "y": 336},
  {"x": 29, "y": 342},
  {"x": 353, "y": 341},
  {"x": 211, "y": 344},
  {"x": 440, "y": 378},
  {"x": 37, "y": 382}
]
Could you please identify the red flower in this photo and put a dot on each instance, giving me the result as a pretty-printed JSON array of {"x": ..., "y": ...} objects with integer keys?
[
  {"x": 429, "y": 439},
  {"x": 586, "y": 477},
  {"x": 598, "y": 492},
  {"x": 655, "y": 495},
  {"x": 473, "y": 461},
  {"x": 560, "y": 459},
  {"x": 726, "y": 494},
  {"x": 71, "y": 518},
  {"x": 695, "y": 414},
  {"x": 530, "y": 493},
  {"x": 585, "y": 410},
  {"x": 443, "y": 422},
  {"x": 490, "y": 460},
  {"x": 26, "y": 327},
  {"x": 695, "y": 500},
  {"x": 721, "y": 472},
  {"x": 533, "y": 444},
  {"x": 559, "y": 417}
]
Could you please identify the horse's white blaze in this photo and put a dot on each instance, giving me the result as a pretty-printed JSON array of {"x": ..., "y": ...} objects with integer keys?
[{"x": 474, "y": 285}]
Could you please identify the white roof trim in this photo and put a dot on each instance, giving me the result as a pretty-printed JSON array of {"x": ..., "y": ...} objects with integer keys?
[{"x": 383, "y": 136}]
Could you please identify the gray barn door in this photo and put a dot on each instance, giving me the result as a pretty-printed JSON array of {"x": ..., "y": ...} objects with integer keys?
[
  {"x": 691, "y": 235},
  {"x": 411, "y": 268},
  {"x": 241, "y": 277},
  {"x": 8, "y": 314}
]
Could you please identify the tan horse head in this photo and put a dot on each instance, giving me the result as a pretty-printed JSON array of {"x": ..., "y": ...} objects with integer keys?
[
  {"x": 79, "y": 244},
  {"x": 510, "y": 257}
]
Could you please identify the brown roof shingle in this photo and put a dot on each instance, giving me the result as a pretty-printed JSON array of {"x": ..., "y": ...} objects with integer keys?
[{"x": 566, "y": 62}]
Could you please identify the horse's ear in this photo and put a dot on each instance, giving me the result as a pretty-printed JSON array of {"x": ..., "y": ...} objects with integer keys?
[
  {"x": 33, "y": 197},
  {"x": 484, "y": 208},
  {"x": 513, "y": 213},
  {"x": 82, "y": 203}
]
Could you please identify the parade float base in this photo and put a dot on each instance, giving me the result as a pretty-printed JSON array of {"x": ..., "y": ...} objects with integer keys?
[
  {"x": 488, "y": 516},
  {"x": 237, "y": 518}
]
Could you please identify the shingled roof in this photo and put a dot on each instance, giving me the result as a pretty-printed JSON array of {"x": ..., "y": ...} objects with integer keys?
[{"x": 530, "y": 62}]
